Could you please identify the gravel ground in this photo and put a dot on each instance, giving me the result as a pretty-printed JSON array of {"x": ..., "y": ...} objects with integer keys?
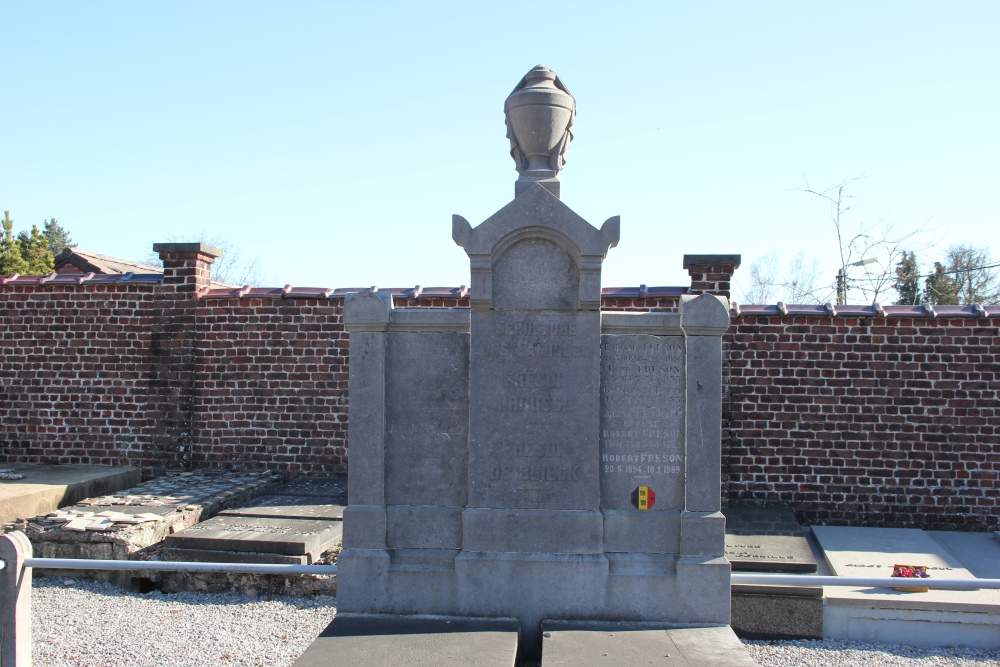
[
  {"x": 83, "y": 623},
  {"x": 838, "y": 653}
]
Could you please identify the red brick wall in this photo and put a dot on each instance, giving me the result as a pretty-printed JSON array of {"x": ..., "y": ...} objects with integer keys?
[
  {"x": 80, "y": 378},
  {"x": 885, "y": 421},
  {"x": 271, "y": 385},
  {"x": 867, "y": 421}
]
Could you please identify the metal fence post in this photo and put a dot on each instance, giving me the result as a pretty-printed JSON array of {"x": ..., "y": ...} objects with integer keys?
[{"x": 15, "y": 601}]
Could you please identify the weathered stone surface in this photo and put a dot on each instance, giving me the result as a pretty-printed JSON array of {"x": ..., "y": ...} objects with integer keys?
[
  {"x": 291, "y": 507},
  {"x": 376, "y": 641},
  {"x": 427, "y": 527},
  {"x": 771, "y": 616},
  {"x": 331, "y": 489},
  {"x": 427, "y": 419},
  {"x": 766, "y": 539},
  {"x": 573, "y": 643},
  {"x": 282, "y": 536}
]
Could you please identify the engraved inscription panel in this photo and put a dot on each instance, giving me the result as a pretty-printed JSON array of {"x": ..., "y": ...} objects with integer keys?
[
  {"x": 642, "y": 419},
  {"x": 534, "y": 410}
]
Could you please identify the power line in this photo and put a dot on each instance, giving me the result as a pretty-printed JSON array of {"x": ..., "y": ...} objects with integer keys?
[{"x": 969, "y": 270}]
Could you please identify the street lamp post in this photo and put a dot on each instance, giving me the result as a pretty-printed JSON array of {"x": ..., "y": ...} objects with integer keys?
[{"x": 842, "y": 279}]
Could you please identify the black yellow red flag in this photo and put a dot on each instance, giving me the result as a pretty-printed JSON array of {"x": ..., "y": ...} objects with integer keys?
[{"x": 643, "y": 498}]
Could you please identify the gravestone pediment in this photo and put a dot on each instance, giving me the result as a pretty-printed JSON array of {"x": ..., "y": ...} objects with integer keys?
[{"x": 536, "y": 252}]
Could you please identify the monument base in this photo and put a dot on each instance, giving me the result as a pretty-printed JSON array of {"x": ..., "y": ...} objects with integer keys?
[{"x": 664, "y": 589}]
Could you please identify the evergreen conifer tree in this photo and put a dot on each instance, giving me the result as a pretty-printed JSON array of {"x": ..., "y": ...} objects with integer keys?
[
  {"x": 940, "y": 288},
  {"x": 34, "y": 249},
  {"x": 11, "y": 260},
  {"x": 58, "y": 237},
  {"x": 907, "y": 283}
]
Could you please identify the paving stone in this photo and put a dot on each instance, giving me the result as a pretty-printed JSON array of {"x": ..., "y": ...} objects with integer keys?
[
  {"x": 293, "y": 537},
  {"x": 766, "y": 539},
  {"x": 569, "y": 644},
  {"x": 375, "y": 641},
  {"x": 297, "y": 507}
]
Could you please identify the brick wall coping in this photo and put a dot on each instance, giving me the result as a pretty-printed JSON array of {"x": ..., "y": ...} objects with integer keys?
[
  {"x": 712, "y": 260},
  {"x": 289, "y": 292},
  {"x": 926, "y": 311},
  {"x": 79, "y": 279}
]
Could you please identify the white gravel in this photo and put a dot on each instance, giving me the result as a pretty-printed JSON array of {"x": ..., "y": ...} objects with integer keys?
[
  {"x": 83, "y": 623},
  {"x": 838, "y": 653}
]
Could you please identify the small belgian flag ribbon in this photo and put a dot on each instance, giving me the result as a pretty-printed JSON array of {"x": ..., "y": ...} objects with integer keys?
[{"x": 643, "y": 498}]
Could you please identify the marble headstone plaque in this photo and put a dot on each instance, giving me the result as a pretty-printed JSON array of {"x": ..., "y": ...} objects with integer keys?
[
  {"x": 642, "y": 420},
  {"x": 766, "y": 539}
]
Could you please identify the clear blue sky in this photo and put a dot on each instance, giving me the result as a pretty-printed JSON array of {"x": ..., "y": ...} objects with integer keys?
[{"x": 335, "y": 140}]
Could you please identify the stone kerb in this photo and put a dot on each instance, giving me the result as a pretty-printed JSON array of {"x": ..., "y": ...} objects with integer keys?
[{"x": 553, "y": 222}]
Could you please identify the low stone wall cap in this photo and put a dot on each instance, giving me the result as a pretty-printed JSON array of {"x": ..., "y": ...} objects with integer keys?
[
  {"x": 690, "y": 260},
  {"x": 203, "y": 248}
]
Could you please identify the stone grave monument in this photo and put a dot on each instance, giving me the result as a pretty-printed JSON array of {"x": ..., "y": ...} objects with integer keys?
[{"x": 532, "y": 457}]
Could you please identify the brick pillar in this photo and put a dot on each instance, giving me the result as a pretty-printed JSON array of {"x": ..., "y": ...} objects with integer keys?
[
  {"x": 187, "y": 266},
  {"x": 187, "y": 270},
  {"x": 711, "y": 274}
]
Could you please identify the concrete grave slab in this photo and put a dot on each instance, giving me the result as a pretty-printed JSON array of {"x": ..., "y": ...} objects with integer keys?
[
  {"x": 293, "y": 537},
  {"x": 766, "y": 539},
  {"x": 413, "y": 641},
  {"x": 292, "y": 507},
  {"x": 934, "y": 618},
  {"x": 328, "y": 488},
  {"x": 872, "y": 552},
  {"x": 571, "y": 644},
  {"x": 48, "y": 487},
  {"x": 977, "y": 551}
]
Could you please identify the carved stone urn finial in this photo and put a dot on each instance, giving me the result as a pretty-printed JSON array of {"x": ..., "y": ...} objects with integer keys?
[{"x": 540, "y": 113}]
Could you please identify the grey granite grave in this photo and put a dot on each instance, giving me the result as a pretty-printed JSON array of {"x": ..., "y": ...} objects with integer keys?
[
  {"x": 766, "y": 539},
  {"x": 284, "y": 536},
  {"x": 769, "y": 539},
  {"x": 532, "y": 456}
]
